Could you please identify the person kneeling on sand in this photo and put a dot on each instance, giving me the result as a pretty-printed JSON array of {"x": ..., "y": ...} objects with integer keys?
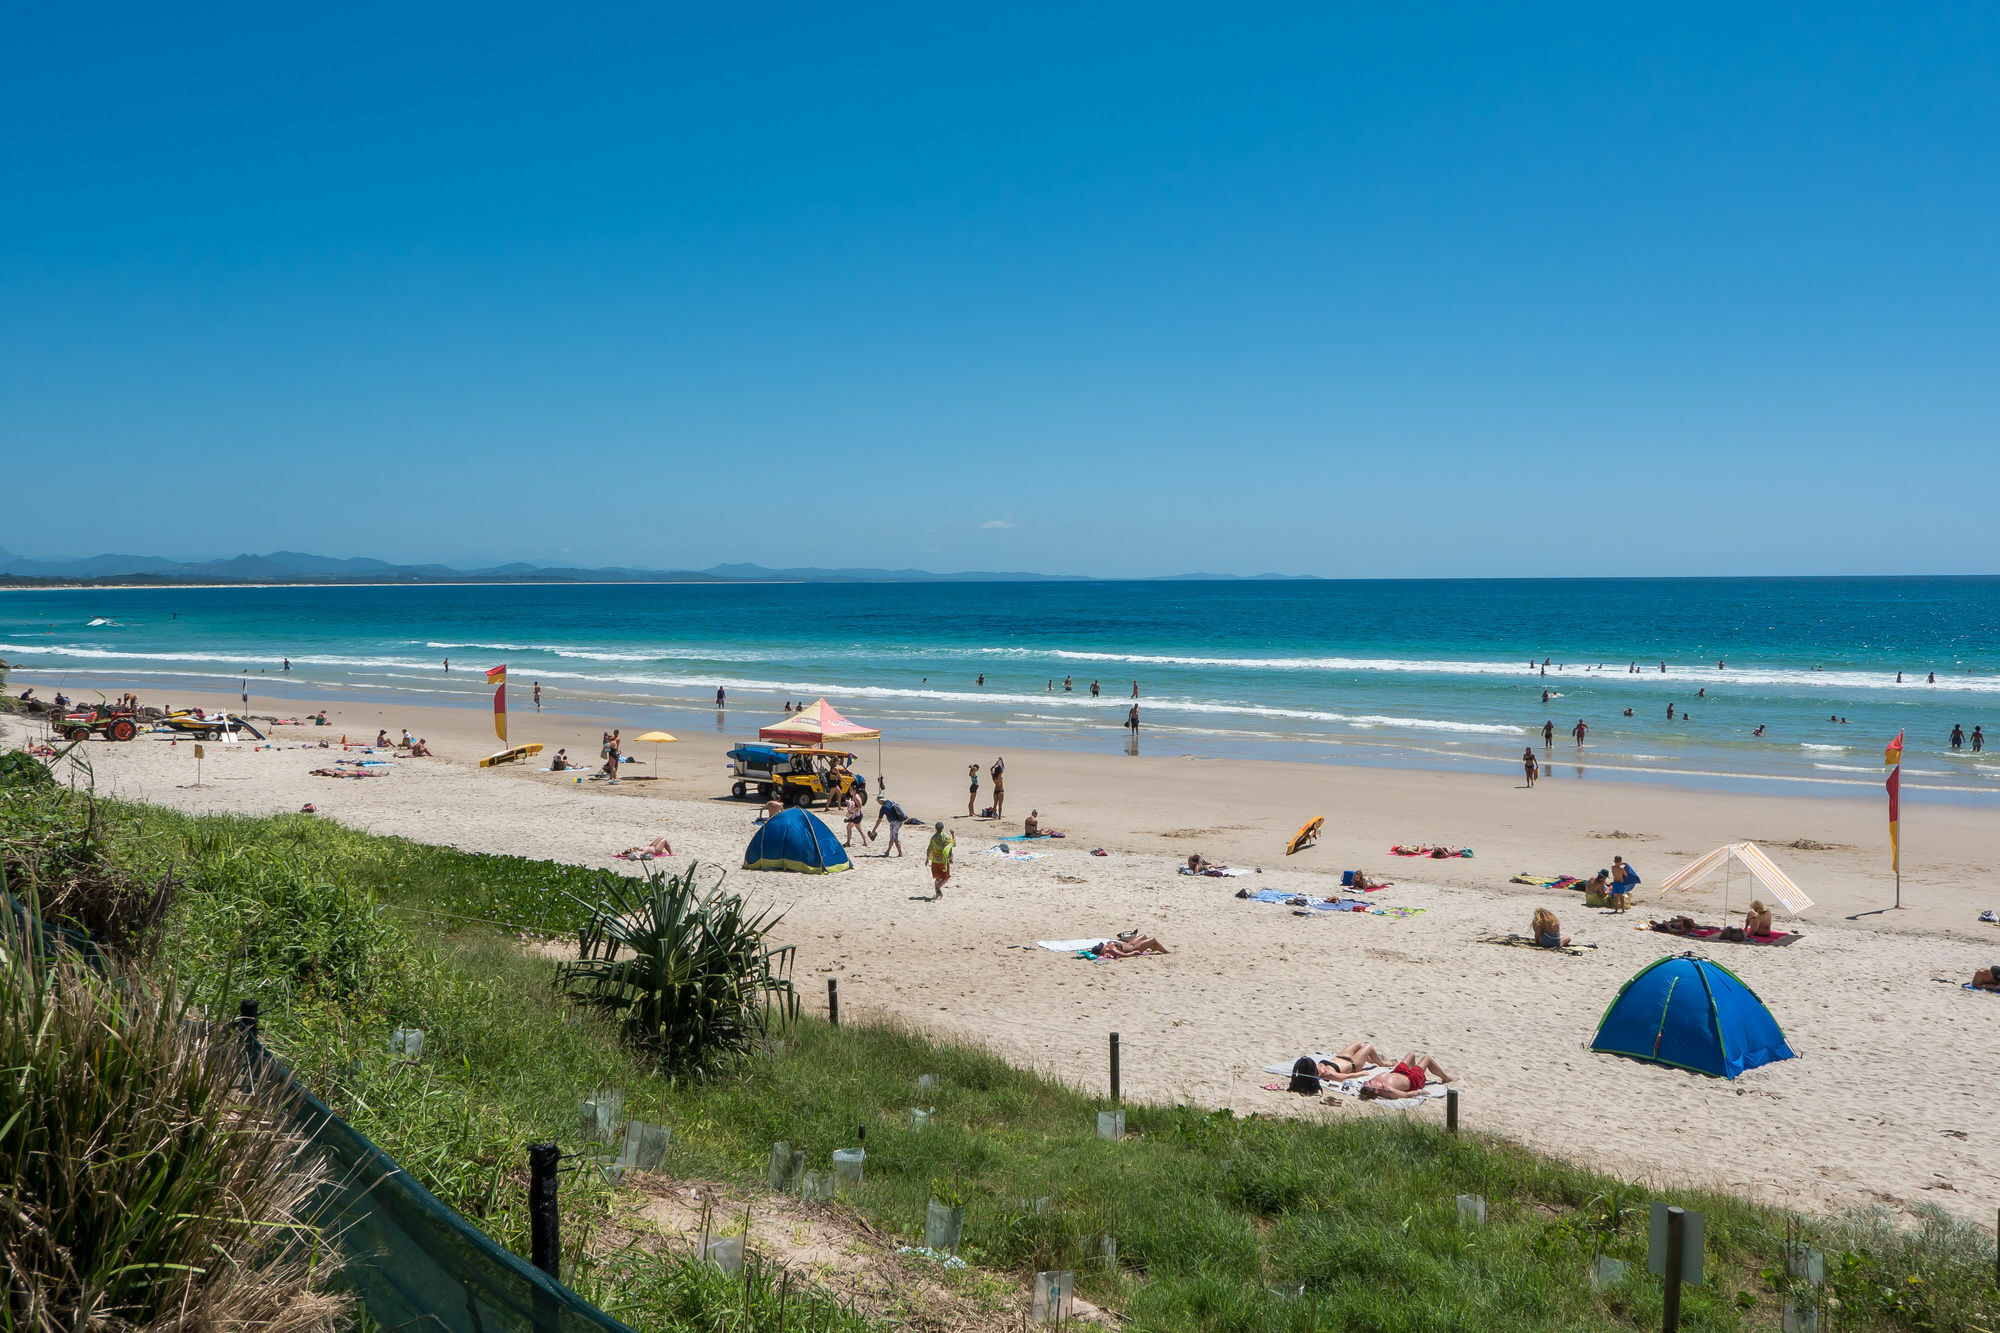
[
  {"x": 420, "y": 749},
  {"x": 1129, "y": 945},
  {"x": 1407, "y": 1079},
  {"x": 1546, "y": 930},
  {"x": 1757, "y": 921},
  {"x": 560, "y": 762},
  {"x": 1986, "y": 978},
  {"x": 382, "y": 738}
]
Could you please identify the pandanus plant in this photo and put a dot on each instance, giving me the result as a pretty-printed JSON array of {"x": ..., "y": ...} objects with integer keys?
[{"x": 685, "y": 970}]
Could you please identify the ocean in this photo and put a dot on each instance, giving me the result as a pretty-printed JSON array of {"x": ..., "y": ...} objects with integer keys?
[{"x": 1436, "y": 674}]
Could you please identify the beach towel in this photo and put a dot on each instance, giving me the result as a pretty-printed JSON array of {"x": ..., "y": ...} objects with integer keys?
[
  {"x": 1523, "y": 942},
  {"x": 1777, "y": 939},
  {"x": 1396, "y": 913},
  {"x": 1039, "y": 837},
  {"x": 1008, "y": 854},
  {"x": 1548, "y": 881},
  {"x": 1072, "y": 946},
  {"x": 1219, "y": 872},
  {"x": 1966, "y": 985},
  {"x": 1352, "y": 1088},
  {"x": 1316, "y": 904}
]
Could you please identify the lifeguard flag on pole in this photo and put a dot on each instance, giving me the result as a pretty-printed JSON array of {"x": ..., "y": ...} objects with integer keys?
[
  {"x": 1895, "y": 785},
  {"x": 497, "y": 677},
  {"x": 1894, "y": 754}
]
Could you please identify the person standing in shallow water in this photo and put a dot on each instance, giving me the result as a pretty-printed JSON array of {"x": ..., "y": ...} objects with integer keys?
[{"x": 1548, "y": 735}]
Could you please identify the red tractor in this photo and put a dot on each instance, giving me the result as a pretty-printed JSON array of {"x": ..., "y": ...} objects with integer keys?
[{"x": 106, "y": 722}]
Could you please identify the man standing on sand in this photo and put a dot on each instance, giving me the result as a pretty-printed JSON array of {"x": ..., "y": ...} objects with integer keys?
[
  {"x": 897, "y": 817},
  {"x": 999, "y": 774},
  {"x": 1578, "y": 730},
  {"x": 938, "y": 854},
  {"x": 1528, "y": 763}
]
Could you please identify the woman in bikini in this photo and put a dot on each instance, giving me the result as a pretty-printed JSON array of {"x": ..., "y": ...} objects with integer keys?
[
  {"x": 972, "y": 773},
  {"x": 1757, "y": 921},
  {"x": 1132, "y": 948},
  {"x": 1407, "y": 1079},
  {"x": 1351, "y": 1061}
]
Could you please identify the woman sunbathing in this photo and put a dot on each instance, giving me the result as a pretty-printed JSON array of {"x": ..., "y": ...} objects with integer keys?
[
  {"x": 1407, "y": 1079},
  {"x": 1351, "y": 1061},
  {"x": 1546, "y": 930},
  {"x": 1757, "y": 921},
  {"x": 1363, "y": 884},
  {"x": 1131, "y": 947},
  {"x": 656, "y": 849}
]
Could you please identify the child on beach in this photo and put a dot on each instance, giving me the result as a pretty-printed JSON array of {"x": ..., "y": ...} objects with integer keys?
[{"x": 938, "y": 854}]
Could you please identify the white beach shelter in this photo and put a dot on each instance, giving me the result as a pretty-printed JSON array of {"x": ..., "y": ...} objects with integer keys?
[{"x": 1751, "y": 857}]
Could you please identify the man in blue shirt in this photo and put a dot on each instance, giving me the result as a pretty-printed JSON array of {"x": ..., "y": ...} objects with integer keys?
[{"x": 897, "y": 817}]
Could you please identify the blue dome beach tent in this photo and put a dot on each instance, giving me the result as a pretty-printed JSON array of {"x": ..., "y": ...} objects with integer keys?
[
  {"x": 795, "y": 840},
  {"x": 1690, "y": 1013}
]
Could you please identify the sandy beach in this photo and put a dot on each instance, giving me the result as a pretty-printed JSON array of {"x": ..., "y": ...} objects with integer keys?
[{"x": 1888, "y": 1101}]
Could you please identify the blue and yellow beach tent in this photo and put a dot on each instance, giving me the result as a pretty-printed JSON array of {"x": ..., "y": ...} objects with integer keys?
[
  {"x": 795, "y": 840},
  {"x": 1690, "y": 1013}
]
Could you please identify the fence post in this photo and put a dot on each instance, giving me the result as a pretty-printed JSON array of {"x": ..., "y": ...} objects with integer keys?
[
  {"x": 833, "y": 1001},
  {"x": 1670, "y": 1307},
  {"x": 544, "y": 1223},
  {"x": 1451, "y": 1110},
  {"x": 1114, "y": 1066}
]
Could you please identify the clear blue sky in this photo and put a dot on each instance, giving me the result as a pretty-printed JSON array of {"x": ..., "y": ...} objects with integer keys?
[{"x": 1713, "y": 289}]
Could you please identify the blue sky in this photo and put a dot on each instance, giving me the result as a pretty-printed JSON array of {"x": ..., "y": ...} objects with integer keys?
[{"x": 1315, "y": 290}]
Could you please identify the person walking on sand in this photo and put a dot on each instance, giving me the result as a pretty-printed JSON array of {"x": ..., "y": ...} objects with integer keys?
[
  {"x": 855, "y": 808},
  {"x": 538, "y": 696},
  {"x": 1578, "y": 731},
  {"x": 972, "y": 774},
  {"x": 938, "y": 853},
  {"x": 999, "y": 775},
  {"x": 1534, "y": 770},
  {"x": 897, "y": 817},
  {"x": 1548, "y": 735}
]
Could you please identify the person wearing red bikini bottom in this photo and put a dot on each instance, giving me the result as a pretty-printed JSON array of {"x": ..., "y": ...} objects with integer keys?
[{"x": 1407, "y": 1079}]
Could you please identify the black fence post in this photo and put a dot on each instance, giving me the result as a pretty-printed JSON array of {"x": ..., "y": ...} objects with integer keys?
[
  {"x": 1114, "y": 1066},
  {"x": 247, "y": 1013},
  {"x": 833, "y": 1001},
  {"x": 544, "y": 1222},
  {"x": 1451, "y": 1110},
  {"x": 1670, "y": 1307}
]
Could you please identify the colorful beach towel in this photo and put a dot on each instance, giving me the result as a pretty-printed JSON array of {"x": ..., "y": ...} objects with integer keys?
[
  {"x": 1396, "y": 913},
  {"x": 1547, "y": 881},
  {"x": 1777, "y": 939},
  {"x": 1301, "y": 900},
  {"x": 1009, "y": 854}
]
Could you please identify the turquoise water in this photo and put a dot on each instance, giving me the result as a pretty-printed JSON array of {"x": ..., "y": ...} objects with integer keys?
[{"x": 1430, "y": 673}]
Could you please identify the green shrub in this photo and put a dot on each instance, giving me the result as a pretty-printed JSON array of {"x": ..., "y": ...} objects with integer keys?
[
  {"x": 143, "y": 1190},
  {"x": 696, "y": 983}
]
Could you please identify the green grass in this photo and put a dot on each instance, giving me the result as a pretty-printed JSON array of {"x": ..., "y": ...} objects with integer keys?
[{"x": 1220, "y": 1222}]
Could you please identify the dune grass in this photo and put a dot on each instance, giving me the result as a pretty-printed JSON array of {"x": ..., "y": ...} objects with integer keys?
[{"x": 1222, "y": 1224}]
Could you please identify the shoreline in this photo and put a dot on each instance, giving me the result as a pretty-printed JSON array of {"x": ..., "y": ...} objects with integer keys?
[
  {"x": 1249, "y": 983},
  {"x": 1560, "y": 765}
]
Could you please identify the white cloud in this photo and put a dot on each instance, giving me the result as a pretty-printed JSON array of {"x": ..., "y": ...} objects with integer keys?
[{"x": 996, "y": 523}]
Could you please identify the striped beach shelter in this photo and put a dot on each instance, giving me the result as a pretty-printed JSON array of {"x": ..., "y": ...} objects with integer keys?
[{"x": 1763, "y": 872}]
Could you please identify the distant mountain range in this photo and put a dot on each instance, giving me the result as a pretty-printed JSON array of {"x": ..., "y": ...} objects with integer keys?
[{"x": 297, "y": 567}]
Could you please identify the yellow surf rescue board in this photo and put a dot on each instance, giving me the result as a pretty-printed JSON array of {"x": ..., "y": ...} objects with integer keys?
[{"x": 510, "y": 756}]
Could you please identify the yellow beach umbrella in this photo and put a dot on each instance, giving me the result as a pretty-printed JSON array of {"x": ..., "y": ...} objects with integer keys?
[{"x": 657, "y": 738}]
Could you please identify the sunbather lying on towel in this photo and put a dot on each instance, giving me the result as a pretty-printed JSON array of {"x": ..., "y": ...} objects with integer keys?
[
  {"x": 1407, "y": 1079},
  {"x": 1130, "y": 945},
  {"x": 1366, "y": 884},
  {"x": 657, "y": 848},
  {"x": 1986, "y": 978},
  {"x": 1352, "y": 1060}
]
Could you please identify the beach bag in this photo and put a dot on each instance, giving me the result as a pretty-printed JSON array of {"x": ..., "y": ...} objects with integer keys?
[
  {"x": 987, "y": 813},
  {"x": 1347, "y": 879}
]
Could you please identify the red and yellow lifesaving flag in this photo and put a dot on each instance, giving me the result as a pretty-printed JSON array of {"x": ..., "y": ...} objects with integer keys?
[
  {"x": 1894, "y": 754},
  {"x": 1895, "y": 785},
  {"x": 497, "y": 677}
]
